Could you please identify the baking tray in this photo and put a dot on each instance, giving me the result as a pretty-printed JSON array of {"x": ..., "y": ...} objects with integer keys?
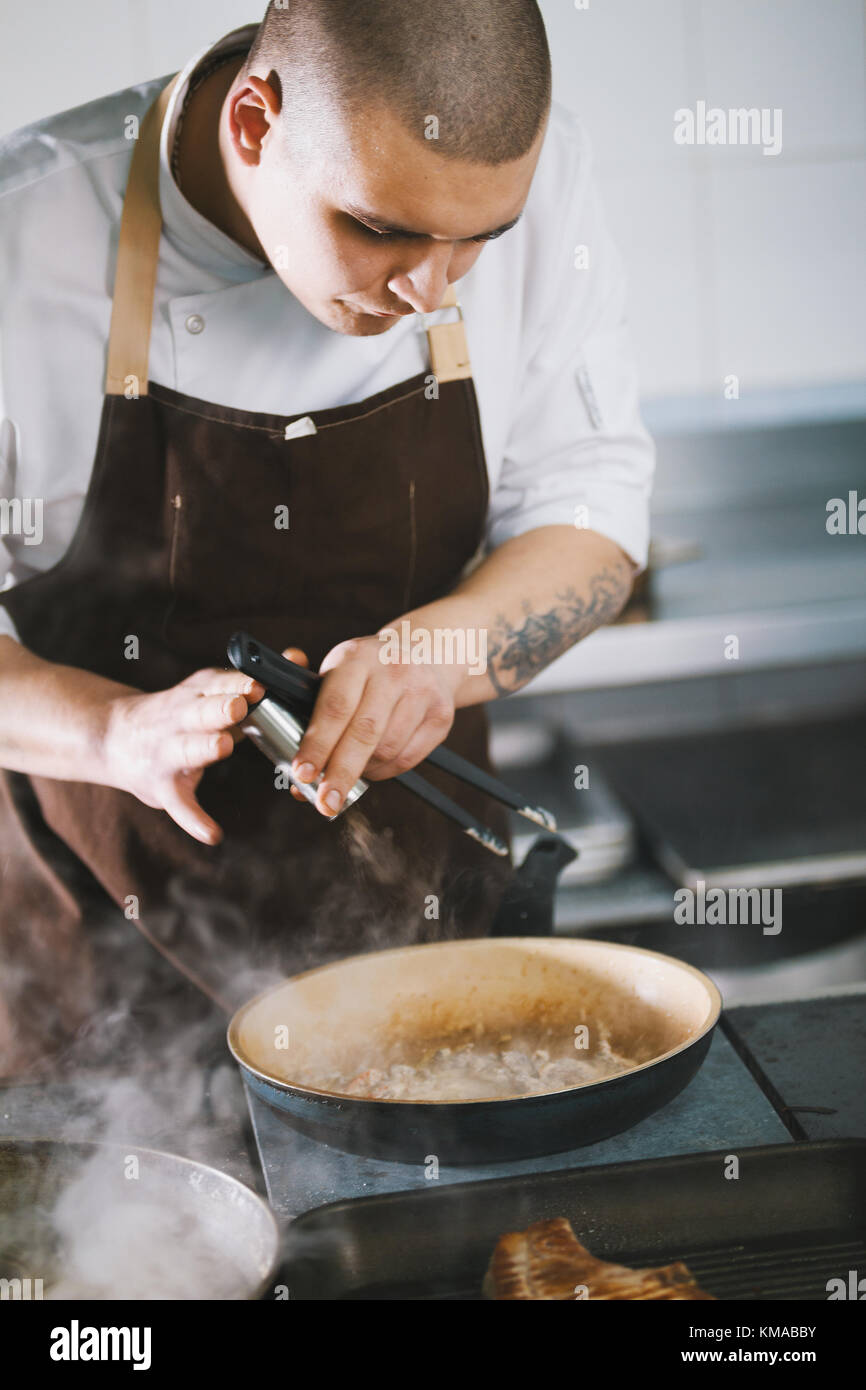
[
  {"x": 766, "y": 806},
  {"x": 794, "y": 1218}
]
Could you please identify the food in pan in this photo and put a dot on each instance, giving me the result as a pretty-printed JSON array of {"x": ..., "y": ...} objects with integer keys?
[
  {"x": 547, "y": 1261},
  {"x": 505, "y": 1068}
]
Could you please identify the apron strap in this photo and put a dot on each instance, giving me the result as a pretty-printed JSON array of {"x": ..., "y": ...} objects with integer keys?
[
  {"x": 449, "y": 351},
  {"x": 138, "y": 259}
]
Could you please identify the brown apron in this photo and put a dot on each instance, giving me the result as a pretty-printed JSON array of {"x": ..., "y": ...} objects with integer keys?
[{"x": 177, "y": 546}]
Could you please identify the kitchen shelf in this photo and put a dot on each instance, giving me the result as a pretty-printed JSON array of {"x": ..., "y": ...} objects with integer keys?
[{"x": 751, "y": 502}]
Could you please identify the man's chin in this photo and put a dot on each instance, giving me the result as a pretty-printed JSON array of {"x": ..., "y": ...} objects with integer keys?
[
  {"x": 364, "y": 326},
  {"x": 344, "y": 318}
]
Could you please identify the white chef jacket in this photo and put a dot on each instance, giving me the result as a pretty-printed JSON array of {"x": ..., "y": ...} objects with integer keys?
[{"x": 549, "y": 343}]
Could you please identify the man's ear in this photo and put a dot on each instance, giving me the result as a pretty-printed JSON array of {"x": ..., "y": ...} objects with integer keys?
[{"x": 254, "y": 108}]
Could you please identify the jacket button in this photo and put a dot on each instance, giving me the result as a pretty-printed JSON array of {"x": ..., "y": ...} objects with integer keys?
[{"x": 195, "y": 324}]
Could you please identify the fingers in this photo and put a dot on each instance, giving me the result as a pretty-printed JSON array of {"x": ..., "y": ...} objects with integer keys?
[
  {"x": 212, "y": 681},
  {"x": 185, "y": 811},
  {"x": 360, "y": 741},
  {"x": 428, "y": 736},
  {"x": 188, "y": 751},
  {"x": 213, "y": 712},
  {"x": 336, "y": 705},
  {"x": 223, "y": 701},
  {"x": 405, "y": 721}
]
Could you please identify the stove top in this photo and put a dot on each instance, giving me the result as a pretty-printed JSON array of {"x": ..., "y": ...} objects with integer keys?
[{"x": 722, "y": 1108}]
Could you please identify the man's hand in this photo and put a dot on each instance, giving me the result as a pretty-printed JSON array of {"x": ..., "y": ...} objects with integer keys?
[
  {"x": 158, "y": 745},
  {"x": 530, "y": 600},
  {"x": 372, "y": 719}
]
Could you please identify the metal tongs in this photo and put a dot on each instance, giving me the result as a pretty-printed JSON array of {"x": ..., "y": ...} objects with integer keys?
[{"x": 277, "y": 725}]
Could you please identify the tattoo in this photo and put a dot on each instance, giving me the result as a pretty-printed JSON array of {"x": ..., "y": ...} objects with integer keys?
[{"x": 516, "y": 654}]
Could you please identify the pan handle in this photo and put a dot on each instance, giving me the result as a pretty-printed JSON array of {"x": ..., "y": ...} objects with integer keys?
[{"x": 527, "y": 904}]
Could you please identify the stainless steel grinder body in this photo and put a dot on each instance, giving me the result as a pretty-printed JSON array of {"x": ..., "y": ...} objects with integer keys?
[{"x": 278, "y": 733}]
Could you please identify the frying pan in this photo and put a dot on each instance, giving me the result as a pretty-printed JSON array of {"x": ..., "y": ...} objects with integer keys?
[
  {"x": 100, "y": 1221},
  {"x": 391, "y": 1005}
]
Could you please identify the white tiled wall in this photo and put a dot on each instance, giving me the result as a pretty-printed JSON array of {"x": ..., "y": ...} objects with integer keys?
[
  {"x": 737, "y": 262},
  {"x": 55, "y": 54}
]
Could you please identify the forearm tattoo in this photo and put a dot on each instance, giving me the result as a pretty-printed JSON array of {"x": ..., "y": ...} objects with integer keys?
[{"x": 516, "y": 654}]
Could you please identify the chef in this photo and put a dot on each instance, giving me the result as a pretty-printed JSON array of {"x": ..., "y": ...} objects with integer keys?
[{"x": 323, "y": 339}]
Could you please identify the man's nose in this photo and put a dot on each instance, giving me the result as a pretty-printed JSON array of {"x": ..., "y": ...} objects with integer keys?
[{"x": 424, "y": 285}]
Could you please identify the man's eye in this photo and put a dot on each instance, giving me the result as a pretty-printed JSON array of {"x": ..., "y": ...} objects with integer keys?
[
  {"x": 371, "y": 231},
  {"x": 395, "y": 236}
]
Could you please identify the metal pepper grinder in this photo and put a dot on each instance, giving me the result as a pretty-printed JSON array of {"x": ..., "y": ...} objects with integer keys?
[{"x": 277, "y": 723}]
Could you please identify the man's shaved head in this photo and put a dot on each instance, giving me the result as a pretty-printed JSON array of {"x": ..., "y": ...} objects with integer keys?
[
  {"x": 480, "y": 67},
  {"x": 370, "y": 149}
]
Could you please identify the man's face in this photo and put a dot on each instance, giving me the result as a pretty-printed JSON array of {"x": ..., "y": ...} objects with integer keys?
[{"x": 377, "y": 224}]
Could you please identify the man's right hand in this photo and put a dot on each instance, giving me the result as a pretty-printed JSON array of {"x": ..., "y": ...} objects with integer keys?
[{"x": 157, "y": 746}]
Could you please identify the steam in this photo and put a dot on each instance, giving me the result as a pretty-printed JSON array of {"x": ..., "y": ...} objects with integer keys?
[
  {"x": 139, "y": 1050},
  {"x": 146, "y": 1068},
  {"x": 117, "y": 1225},
  {"x": 143, "y": 1237}
]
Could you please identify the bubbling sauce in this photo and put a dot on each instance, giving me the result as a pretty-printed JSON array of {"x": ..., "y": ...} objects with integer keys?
[{"x": 481, "y": 1071}]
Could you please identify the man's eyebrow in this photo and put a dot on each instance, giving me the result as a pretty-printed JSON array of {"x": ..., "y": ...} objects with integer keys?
[{"x": 379, "y": 226}]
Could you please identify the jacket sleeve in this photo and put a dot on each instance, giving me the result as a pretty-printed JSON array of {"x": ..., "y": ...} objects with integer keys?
[{"x": 578, "y": 452}]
